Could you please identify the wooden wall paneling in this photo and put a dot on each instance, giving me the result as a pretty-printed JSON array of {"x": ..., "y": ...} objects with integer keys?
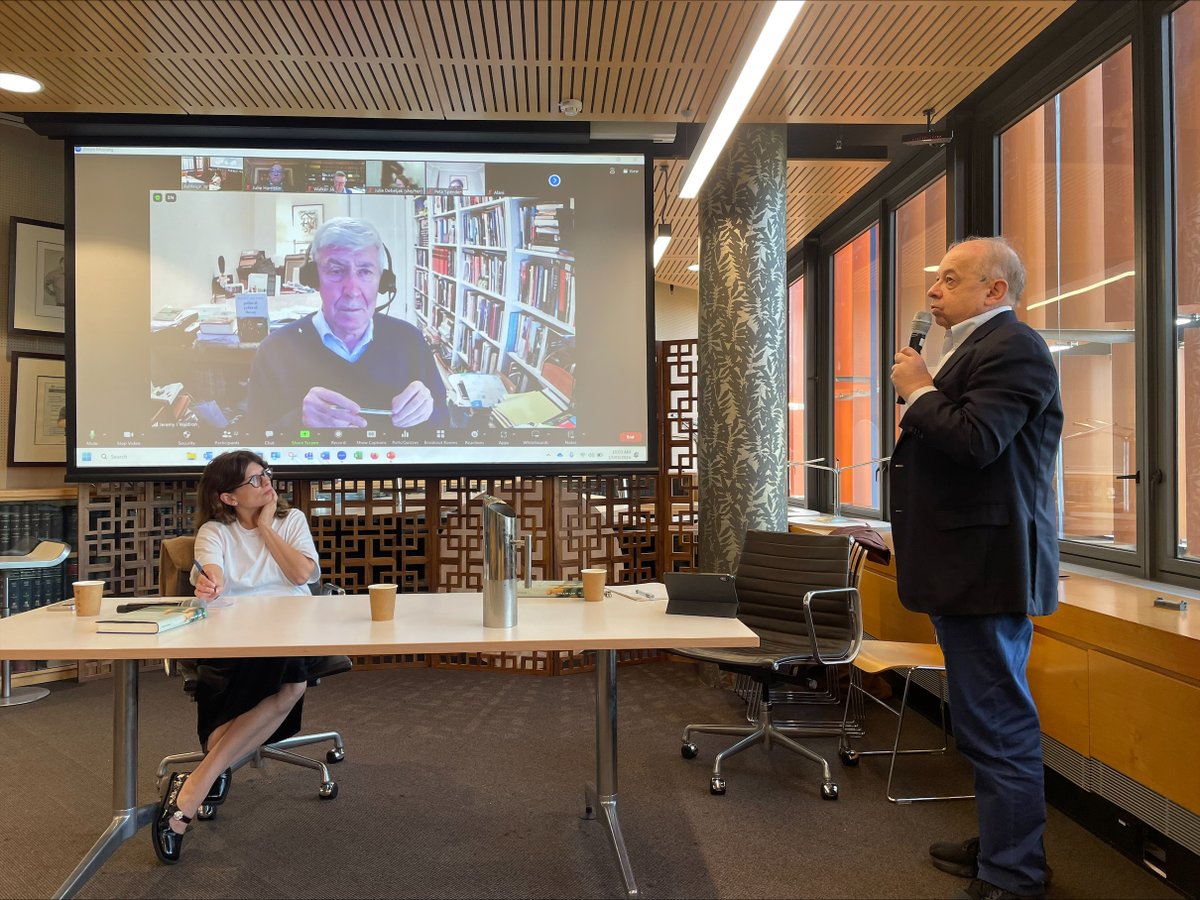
[
  {"x": 1058, "y": 678},
  {"x": 1138, "y": 729}
]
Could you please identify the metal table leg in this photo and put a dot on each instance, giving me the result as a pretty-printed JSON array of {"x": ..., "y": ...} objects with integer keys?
[
  {"x": 604, "y": 799},
  {"x": 127, "y": 817}
]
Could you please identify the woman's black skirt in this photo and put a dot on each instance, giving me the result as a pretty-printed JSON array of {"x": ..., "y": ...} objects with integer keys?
[{"x": 229, "y": 687}]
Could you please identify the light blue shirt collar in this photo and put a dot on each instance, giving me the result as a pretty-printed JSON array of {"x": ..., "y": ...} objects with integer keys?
[{"x": 336, "y": 344}]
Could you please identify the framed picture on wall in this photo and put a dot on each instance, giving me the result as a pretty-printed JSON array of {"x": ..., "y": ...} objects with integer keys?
[
  {"x": 37, "y": 277},
  {"x": 37, "y": 410},
  {"x": 306, "y": 219}
]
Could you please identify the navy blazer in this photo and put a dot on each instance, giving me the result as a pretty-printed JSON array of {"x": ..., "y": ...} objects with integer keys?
[{"x": 974, "y": 517}]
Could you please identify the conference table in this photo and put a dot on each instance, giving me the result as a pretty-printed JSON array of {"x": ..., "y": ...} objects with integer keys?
[{"x": 317, "y": 626}]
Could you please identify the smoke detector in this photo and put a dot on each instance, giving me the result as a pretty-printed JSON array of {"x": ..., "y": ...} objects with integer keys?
[{"x": 571, "y": 107}]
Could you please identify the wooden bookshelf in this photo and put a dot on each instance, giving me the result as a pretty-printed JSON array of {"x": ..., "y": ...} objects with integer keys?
[{"x": 40, "y": 587}]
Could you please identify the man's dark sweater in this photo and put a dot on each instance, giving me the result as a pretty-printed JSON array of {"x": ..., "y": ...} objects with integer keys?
[{"x": 293, "y": 360}]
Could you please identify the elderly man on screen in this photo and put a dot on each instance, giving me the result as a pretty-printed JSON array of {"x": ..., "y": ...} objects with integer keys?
[{"x": 346, "y": 365}]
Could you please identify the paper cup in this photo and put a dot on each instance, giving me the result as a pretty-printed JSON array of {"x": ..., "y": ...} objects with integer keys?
[
  {"x": 593, "y": 584},
  {"x": 87, "y": 597},
  {"x": 383, "y": 602}
]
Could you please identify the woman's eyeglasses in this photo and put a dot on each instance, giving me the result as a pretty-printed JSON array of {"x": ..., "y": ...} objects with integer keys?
[{"x": 255, "y": 480}]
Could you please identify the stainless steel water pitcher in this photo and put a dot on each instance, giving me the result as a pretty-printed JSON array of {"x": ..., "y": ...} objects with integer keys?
[{"x": 500, "y": 543}]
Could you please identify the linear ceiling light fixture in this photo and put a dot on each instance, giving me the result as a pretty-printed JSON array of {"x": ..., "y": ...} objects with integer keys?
[
  {"x": 662, "y": 234},
  {"x": 1082, "y": 290},
  {"x": 747, "y": 73}
]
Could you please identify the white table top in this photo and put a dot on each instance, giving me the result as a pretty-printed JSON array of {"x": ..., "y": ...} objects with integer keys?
[{"x": 424, "y": 623}]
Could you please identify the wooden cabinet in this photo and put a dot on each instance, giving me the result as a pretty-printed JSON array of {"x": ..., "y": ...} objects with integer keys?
[{"x": 1115, "y": 678}]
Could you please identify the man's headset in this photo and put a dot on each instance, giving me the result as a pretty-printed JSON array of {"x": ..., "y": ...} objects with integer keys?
[{"x": 310, "y": 277}]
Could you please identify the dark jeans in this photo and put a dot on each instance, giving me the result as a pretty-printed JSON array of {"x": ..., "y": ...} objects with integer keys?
[{"x": 996, "y": 728}]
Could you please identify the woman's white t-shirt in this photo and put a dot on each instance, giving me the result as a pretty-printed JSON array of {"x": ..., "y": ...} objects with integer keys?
[{"x": 243, "y": 556}]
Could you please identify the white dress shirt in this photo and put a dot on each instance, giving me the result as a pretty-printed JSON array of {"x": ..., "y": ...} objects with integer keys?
[{"x": 956, "y": 335}]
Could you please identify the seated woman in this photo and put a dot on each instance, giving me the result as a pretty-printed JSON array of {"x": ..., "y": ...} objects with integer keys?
[{"x": 247, "y": 542}]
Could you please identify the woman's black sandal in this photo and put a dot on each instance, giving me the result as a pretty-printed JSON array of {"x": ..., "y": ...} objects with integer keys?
[{"x": 167, "y": 844}]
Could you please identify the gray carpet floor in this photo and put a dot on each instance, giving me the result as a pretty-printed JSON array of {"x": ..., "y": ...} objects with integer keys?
[{"x": 465, "y": 784}]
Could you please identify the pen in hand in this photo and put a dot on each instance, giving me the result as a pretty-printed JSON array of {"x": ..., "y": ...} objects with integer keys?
[{"x": 200, "y": 571}]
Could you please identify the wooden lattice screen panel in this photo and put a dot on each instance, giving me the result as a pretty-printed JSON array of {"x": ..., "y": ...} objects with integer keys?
[
  {"x": 678, "y": 549},
  {"x": 427, "y": 535}
]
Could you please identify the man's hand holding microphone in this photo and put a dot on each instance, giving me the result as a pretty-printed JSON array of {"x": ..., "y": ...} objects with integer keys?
[{"x": 909, "y": 371}]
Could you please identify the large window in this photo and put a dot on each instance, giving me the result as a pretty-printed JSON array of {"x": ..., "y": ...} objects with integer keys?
[
  {"x": 1066, "y": 202},
  {"x": 856, "y": 369},
  {"x": 797, "y": 380},
  {"x": 1185, "y": 128},
  {"x": 920, "y": 244}
]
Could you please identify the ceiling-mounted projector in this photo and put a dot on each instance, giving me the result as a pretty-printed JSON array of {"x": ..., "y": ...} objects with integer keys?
[{"x": 928, "y": 137}]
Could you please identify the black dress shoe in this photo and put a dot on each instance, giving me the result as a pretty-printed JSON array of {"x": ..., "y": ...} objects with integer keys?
[
  {"x": 220, "y": 788},
  {"x": 167, "y": 844},
  {"x": 984, "y": 890},
  {"x": 957, "y": 859},
  {"x": 963, "y": 859}
]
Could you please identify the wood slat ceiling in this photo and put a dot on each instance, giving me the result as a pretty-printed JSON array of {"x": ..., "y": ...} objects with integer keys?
[
  {"x": 815, "y": 189},
  {"x": 846, "y": 61}
]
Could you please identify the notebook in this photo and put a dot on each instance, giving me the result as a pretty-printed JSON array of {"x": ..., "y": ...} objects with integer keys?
[
  {"x": 149, "y": 620},
  {"x": 700, "y": 594}
]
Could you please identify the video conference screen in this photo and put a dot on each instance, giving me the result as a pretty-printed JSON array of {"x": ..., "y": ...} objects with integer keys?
[{"x": 423, "y": 312}]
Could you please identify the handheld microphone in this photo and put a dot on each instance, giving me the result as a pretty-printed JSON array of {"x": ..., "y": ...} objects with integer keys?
[{"x": 921, "y": 323}]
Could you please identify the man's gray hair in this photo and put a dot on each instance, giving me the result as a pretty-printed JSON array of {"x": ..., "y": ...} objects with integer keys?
[
  {"x": 1000, "y": 260},
  {"x": 347, "y": 233}
]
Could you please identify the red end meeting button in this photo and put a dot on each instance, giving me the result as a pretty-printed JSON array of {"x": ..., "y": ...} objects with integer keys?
[{"x": 630, "y": 437}]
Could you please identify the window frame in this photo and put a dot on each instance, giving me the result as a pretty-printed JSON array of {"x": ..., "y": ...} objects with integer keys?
[{"x": 971, "y": 164}]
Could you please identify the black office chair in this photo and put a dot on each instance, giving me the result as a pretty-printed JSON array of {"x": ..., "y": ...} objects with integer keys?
[
  {"x": 797, "y": 593},
  {"x": 175, "y": 562}
]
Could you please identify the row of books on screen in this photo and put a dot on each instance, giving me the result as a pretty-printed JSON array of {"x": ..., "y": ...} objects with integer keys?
[
  {"x": 485, "y": 228},
  {"x": 483, "y": 312},
  {"x": 547, "y": 226},
  {"x": 549, "y": 286},
  {"x": 443, "y": 260},
  {"x": 528, "y": 339},
  {"x": 484, "y": 270},
  {"x": 34, "y": 588},
  {"x": 22, "y": 525},
  {"x": 445, "y": 231},
  {"x": 480, "y": 355}
]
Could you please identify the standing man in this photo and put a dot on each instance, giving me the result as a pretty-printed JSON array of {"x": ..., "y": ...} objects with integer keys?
[
  {"x": 346, "y": 362},
  {"x": 975, "y": 530}
]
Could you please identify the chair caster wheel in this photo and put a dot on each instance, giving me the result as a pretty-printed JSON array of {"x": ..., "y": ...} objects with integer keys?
[
  {"x": 829, "y": 791},
  {"x": 336, "y": 755},
  {"x": 849, "y": 757},
  {"x": 328, "y": 790},
  {"x": 206, "y": 811},
  {"x": 716, "y": 786},
  {"x": 688, "y": 750}
]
